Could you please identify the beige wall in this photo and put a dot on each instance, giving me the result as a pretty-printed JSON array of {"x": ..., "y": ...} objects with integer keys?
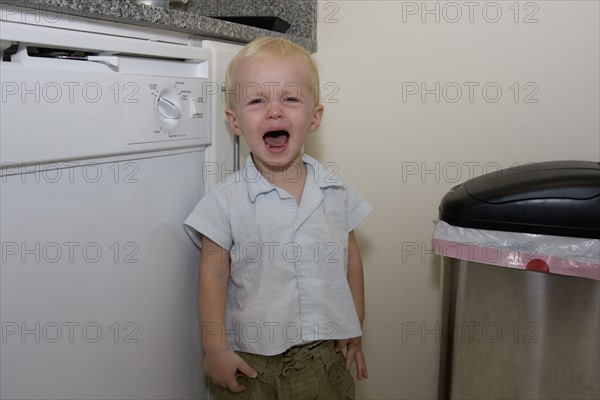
[{"x": 404, "y": 152}]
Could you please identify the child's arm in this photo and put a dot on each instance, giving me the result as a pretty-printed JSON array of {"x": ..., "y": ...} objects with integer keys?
[
  {"x": 355, "y": 277},
  {"x": 356, "y": 282},
  {"x": 220, "y": 362}
]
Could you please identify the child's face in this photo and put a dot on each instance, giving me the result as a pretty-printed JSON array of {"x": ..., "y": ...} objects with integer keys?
[{"x": 274, "y": 108}]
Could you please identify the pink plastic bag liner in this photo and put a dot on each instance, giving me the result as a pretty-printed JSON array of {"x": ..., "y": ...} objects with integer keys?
[{"x": 554, "y": 254}]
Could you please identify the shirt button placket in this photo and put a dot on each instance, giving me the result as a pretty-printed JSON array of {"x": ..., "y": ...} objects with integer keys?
[{"x": 301, "y": 276}]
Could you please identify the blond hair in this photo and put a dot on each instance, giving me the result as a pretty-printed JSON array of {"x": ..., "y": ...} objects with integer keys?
[{"x": 274, "y": 47}]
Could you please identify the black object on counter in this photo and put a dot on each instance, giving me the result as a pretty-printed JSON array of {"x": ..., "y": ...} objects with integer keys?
[
  {"x": 274, "y": 24},
  {"x": 559, "y": 198}
]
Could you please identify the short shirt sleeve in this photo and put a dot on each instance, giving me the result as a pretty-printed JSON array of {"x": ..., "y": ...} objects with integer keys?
[
  {"x": 211, "y": 218},
  {"x": 357, "y": 208}
]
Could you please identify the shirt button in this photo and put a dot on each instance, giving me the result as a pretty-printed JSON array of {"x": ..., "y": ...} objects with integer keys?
[
  {"x": 304, "y": 274},
  {"x": 309, "y": 318}
]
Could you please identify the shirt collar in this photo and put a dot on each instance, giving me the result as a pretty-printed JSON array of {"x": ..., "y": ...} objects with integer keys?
[{"x": 323, "y": 176}]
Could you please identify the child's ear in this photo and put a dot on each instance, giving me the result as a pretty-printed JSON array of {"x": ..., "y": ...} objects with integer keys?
[
  {"x": 317, "y": 115},
  {"x": 230, "y": 114}
]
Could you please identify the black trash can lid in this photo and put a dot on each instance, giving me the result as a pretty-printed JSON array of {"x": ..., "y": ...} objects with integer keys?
[{"x": 552, "y": 198}]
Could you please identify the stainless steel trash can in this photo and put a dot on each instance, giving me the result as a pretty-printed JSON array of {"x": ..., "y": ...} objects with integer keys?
[{"x": 520, "y": 259}]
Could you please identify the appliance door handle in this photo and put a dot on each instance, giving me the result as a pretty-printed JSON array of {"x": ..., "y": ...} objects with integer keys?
[
  {"x": 236, "y": 153},
  {"x": 111, "y": 61},
  {"x": 236, "y": 143}
]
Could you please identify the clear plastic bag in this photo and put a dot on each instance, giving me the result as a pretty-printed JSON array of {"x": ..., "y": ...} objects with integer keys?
[{"x": 555, "y": 254}]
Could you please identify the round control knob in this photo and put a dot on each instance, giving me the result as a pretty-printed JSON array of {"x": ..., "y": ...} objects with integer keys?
[{"x": 168, "y": 109}]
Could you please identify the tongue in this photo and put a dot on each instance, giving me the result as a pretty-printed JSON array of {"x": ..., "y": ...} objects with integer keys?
[{"x": 276, "y": 139}]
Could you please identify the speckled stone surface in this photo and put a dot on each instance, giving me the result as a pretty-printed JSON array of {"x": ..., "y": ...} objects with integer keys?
[
  {"x": 194, "y": 17},
  {"x": 301, "y": 14}
]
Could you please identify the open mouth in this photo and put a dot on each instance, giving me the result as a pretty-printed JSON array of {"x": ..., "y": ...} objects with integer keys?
[{"x": 276, "y": 140}]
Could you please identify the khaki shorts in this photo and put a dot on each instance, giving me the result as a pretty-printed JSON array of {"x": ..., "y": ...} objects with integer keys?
[{"x": 312, "y": 371}]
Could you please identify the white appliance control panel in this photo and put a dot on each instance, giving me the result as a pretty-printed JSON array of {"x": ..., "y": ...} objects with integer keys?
[
  {"x": 125, "y": 96},
  {"x": 166, "y": 109}
]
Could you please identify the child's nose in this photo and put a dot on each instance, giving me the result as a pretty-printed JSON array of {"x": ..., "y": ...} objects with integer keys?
[{"x": 274, "y": 111}]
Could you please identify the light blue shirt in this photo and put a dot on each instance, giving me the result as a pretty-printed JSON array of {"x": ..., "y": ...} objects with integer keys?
[{"x": 289, "y": 263}]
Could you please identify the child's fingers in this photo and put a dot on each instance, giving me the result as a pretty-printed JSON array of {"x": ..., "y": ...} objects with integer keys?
[
  {"x": 350, "y": 354},
  {"x": 247, "y": 370},
  {"x": 361, "y": 367},
  {"x": 234, "y": 385},
  {"x": 340, "y": 344},
  {"x": 358, "y": 357}
]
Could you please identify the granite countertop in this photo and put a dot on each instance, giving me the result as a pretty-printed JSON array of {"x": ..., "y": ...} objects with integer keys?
[{"x": 131, "y": 12}]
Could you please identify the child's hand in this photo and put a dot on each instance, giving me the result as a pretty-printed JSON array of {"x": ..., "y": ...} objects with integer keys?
[
  {"x": 354, "y": 354},
  {"x": 222, "y": 366}
]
